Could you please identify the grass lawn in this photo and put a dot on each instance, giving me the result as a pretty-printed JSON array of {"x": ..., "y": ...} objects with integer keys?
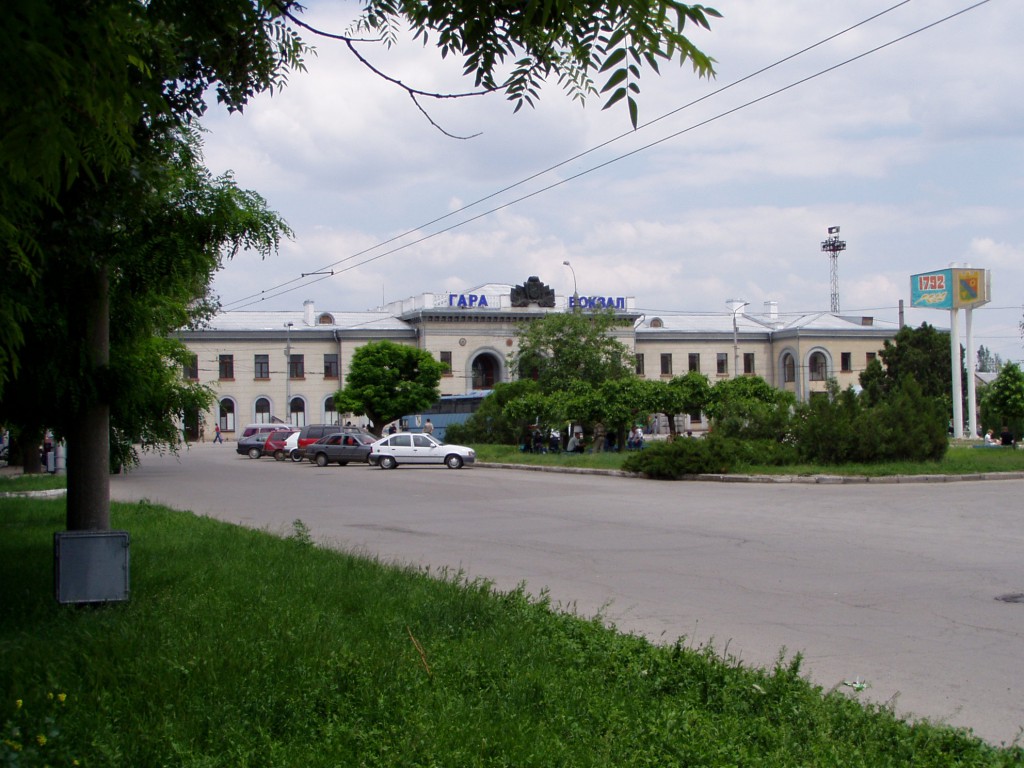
[
  {"x": 959, "y": 460},
  {"x": 20, "y": 483},
  {"x": 241, "y": 648}
]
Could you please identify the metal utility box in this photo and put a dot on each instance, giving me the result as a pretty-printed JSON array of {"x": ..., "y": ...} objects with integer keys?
[{"x": 90, "y": 566}]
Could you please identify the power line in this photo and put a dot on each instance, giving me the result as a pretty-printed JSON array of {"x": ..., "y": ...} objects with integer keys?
[{"x": 279, "y": 290}]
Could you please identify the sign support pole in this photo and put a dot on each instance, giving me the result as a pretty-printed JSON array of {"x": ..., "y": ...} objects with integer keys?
[
  {"x": 972, "y": 364},
  {"x": 954, "y": 353}
]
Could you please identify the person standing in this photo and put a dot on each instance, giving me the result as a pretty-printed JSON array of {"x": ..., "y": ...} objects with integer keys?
[{"x": 428, "y": 428}]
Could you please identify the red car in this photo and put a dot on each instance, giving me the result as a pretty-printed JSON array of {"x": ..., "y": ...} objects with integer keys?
[{"x": 275, "y": 443}]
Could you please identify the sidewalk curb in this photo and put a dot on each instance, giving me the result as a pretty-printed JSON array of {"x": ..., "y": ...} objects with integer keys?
[{"x": 794, "y": 479}]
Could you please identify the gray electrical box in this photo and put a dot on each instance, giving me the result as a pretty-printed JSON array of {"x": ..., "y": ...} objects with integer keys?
[{"x": 90, "y": 566}]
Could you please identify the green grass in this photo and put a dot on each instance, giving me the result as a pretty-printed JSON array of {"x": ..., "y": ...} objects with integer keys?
[
  {"x": 239, "y": 648},
  {"x": 43, "y": 482},
  {"x": 959, "y": 460}
]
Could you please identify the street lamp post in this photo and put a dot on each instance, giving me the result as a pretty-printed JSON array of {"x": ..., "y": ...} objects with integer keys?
[
  {"x": 736, "y": 305},
  {"x": 288, "y": 372},
  {"x": 575, "y": 293}
]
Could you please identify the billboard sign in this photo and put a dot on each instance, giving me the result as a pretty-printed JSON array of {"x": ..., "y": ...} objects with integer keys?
[{"x": 953, "y": 288}]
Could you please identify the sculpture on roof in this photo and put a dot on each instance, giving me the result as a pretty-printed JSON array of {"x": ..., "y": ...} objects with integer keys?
[{"x": 533, "y": 291}]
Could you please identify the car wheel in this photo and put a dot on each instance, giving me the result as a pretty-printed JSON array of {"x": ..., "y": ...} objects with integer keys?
[
  {"x": 255, "y": 453},
  {"x": 387, "y": 462},
  {"x": 278, "y": 455},
  {"x": 321, "y": 459},
  {"x": 454, "y": 461},
  {"x": 296, "y": 456}
]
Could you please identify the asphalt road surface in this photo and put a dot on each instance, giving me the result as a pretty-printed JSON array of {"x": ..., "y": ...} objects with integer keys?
[{"x": 894, "y": 586}]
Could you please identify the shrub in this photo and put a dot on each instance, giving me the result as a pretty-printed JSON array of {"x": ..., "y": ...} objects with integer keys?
[{"x": 675, "y": 459}]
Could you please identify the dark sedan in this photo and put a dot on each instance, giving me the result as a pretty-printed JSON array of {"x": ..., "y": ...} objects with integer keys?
[{"x": 341, "y": 447}]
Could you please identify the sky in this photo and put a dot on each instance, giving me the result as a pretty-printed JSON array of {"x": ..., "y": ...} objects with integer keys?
[{"x": 916, "y": 150}]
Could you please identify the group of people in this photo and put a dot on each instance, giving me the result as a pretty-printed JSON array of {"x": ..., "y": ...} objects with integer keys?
[
  {"x": 537, "y": 442},
  {"x": 1005, "y": 437}
]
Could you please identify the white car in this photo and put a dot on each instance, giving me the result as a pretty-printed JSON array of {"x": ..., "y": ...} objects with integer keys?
[
  {"x": 291, "y": 447},
  {"x": 418, "y": 448}
]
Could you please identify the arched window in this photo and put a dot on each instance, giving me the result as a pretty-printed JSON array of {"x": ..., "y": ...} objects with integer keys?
[
  {"x": 819, "y": 366},
  {"x": 657, "y": 322},
  {"x": 330, "y": 412},
  {"x": 227, "y": 415},
  {"x": 263, "y": 411},
  {"x": 326, "y": 319},
  {"x": 788, "y": 368},
  {"x": 485, "y": 372},
  {"x": 297, "y": 412}
]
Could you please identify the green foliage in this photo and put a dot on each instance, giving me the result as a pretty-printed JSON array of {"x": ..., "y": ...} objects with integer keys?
[
  {"x": 490, "y": 423},
  {"x": 559, "y": 39},
  {"x": 842, "y": 427},
  {"x": 919, "y": 352},
  {"x": 675, "y": 459},
  {"x": 988, "y": 361},
  {"x": 749, "y": 407},
  {"x": 560, "y": 349},
  {"x": 387, "y": 381},
  {"x": 241, "y": 648},
  {"x": 690, "y": 393},
  {"x": 1003, "y": 400}
]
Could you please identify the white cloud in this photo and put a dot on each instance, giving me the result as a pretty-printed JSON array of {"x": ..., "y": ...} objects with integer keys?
[{"x": 916, "y": 151}]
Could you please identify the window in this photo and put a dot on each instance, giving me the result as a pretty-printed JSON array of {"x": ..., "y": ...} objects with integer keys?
[
  {"x": 446, "y": 361},
  {"x": 190, "y": 369},
  {"x": 296, "y": 366},
  {"x": 640, "y": 364},
  {"x": 422, "y": 441},
  {"x": 869, "y": 357},
  {"x": 227, "y": 367},
  {"x": 330, "y": 412},
  {"x": 695, "y": 417},
  {"x": 723, "y": 363},
  {"x": 846, "y": 361},
  {"x": 297, "y": 412},
  {"x": 325, "y": 319},
  {"x": 331, "y": 366},
  {"x": 818, "y": 366},
  {"x": 261, "y": 366},
  {"x": 788, "y": 369},
  {"x": 694, "y": 364},
  {"x": 227, "y": 415},
  {"x": 666, "y": 363},
  {"x": 263, "y": 411},
  {"x": 748, "y": 363}
]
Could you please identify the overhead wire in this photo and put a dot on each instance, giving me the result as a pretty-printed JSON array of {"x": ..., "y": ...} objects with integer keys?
[{"x": 277, "y": 290}]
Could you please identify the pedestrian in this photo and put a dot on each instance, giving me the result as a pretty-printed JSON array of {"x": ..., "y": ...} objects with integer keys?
[
  {"x": 202, "y": 433},
  {"x": 217, "y": 436},
  {"x": 428, "y": 428}
]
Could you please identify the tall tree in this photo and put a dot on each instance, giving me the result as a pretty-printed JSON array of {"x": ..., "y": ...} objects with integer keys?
[
  {"x": 387, "y": 381},
  {"x": 90, "y": 87},
  {"x": 562, "y": 348},
  {"x": 1005, "y": 398},
  {"x": 919, "y": 352}
]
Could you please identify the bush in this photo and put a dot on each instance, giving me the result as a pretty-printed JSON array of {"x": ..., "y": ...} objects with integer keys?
[
  {"x": 678, "y": 458},
  {"x": 840, "y": 428}
]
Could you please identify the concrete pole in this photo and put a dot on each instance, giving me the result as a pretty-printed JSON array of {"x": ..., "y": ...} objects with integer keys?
[
  {"x": 954, "y": 354},
  {"x": 972, "y": 364}
]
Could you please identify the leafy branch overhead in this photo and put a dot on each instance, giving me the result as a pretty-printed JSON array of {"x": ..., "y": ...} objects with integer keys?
[{"x": 573, "y": 42}]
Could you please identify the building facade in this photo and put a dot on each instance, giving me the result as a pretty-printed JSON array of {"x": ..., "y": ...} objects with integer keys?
[{"x": 285, "y": 366}]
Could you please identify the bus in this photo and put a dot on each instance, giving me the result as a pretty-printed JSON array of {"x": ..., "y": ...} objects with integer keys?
[{"x": 450, "y": 409}]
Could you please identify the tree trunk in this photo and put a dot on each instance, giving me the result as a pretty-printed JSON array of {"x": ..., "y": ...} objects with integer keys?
[
  {"x": 88, "y": 500},
  {"x": 27, "y": 447}
]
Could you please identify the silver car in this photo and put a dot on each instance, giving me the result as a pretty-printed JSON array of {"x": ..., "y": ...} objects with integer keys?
[{"x": 417, "y": 448}]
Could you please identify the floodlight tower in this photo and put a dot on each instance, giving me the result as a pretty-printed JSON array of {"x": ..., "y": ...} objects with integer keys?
[{"x": 833, "y": 246}]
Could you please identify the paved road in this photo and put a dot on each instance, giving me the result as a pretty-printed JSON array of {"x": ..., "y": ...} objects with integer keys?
[{"x": 893, "y": 585}]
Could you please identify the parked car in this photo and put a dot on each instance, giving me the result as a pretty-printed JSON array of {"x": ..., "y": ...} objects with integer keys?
[
  {"x": 251, "y": 429},
  {"x": 252, "y": 446},
  {"x": 313, "y": 432},
  {"x": 341, "y": 447},
  {"x": 418, "y": 448},
  {"x": 291, "y": 447},
  {"x": 275, "y": 443}
]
